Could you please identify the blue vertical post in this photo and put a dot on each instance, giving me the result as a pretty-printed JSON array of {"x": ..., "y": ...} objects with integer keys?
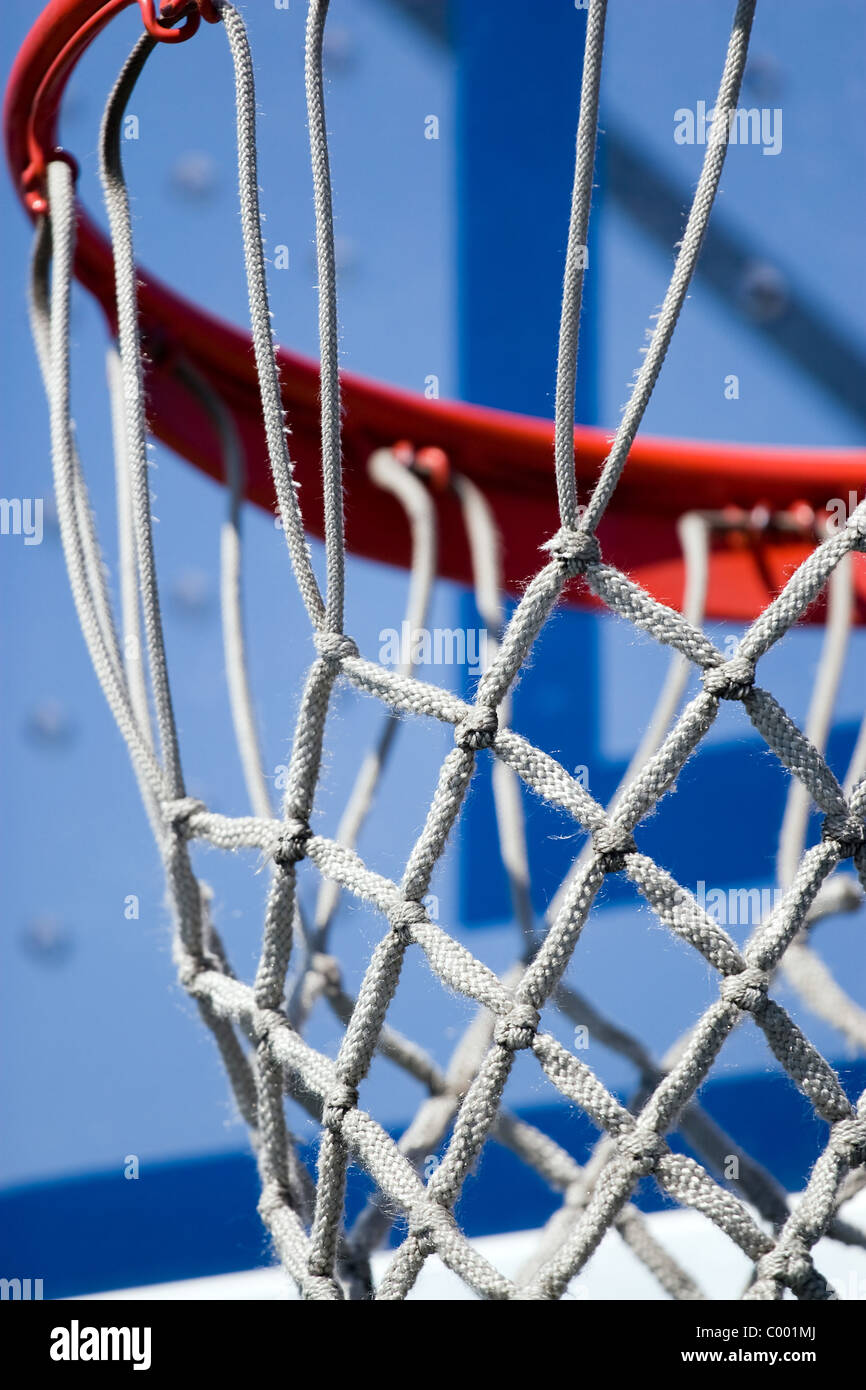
[{"x": 518, "y": 100}]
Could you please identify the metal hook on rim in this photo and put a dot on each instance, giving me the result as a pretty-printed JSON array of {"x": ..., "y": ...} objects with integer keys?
[
  {"x": 192, "y": 12},
  {"x": 430, "y": 463}
]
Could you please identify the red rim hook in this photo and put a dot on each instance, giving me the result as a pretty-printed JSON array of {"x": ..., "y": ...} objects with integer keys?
[{"x": 192, "y": 12}]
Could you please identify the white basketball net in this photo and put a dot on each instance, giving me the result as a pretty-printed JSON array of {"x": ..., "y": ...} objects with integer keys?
[{"x": 259, "y": 1027}]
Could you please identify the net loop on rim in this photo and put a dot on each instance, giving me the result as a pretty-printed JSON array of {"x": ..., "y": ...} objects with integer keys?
[
  {"x": 157, "y": 21},
  {"x": 157, "y": 18}
]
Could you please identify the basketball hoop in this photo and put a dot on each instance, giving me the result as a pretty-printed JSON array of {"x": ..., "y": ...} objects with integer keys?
[
  {"x": 768, "y": 501},
  {"x": 671, "y": 532}
]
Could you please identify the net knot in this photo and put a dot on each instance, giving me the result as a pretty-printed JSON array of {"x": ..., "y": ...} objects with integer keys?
[
  {"x": 424, "y": 1234},
  {"x": 747, "y": 989},
  {"x": 274, "y": 1199},
  {"x": 847, "y": 831},
  {"x": 268, "y": 1024},
  {"x": 177, "y": 813},
  {"x": 189, "y": 967},
  {"x": 612, "y": 843},
  {"x": 574, "y": 549},
  {"x": 341, "y": 1098},
  {"x": 641, "y": 1150},
  {"x": 849, "y": 1140},
  {"x": 291, "y": 843},
  {"x": 477, "y": 729},
  {"x": 732, "y": 680},
  {"x": 328, "y": 970},
  {"x": 407, "y": 914},
  {"x": 334, "y": 647},
  {"x": 516, "y": 1029},
  {"x": 790, "y": 1265}
]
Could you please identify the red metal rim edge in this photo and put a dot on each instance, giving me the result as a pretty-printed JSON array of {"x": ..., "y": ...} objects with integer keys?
[{"x": 510, "y": 456}]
